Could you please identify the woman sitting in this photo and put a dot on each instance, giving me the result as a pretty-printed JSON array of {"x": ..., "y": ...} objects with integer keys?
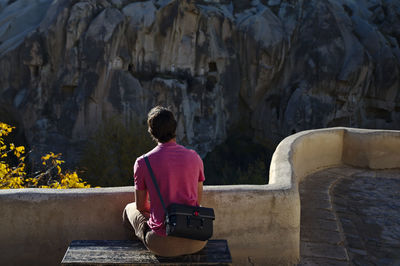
[{"x": 179, "y": 173}]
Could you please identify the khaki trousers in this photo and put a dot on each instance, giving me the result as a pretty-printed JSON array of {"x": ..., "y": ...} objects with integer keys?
[{"x": 166, "y": 246}]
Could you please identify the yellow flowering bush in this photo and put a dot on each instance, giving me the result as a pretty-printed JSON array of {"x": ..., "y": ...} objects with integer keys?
[
  {"x": 16, "y": 176},
  {"x": 11, "y": 176},
  {"x": 53, "y": 177}
]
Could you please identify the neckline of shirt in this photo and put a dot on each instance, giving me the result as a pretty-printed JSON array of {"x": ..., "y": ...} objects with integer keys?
[{"x": 172, "y": 143}]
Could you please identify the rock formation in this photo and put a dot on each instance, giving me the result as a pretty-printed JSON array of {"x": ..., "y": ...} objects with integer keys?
[{"x": 269, "y": 67}]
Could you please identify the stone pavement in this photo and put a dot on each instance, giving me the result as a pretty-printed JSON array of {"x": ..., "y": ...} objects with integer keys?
[{"x": 350, "y": 216}]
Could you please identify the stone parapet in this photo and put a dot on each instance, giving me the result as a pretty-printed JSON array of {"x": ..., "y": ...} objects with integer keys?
[{"x": 260, "y": 222}]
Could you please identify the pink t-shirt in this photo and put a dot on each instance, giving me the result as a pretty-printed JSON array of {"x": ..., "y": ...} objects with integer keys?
[{"x": 177, "y": 170}]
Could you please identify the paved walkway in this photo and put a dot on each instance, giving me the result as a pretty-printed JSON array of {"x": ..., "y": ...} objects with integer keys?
[{"x": 350, "y": 216}]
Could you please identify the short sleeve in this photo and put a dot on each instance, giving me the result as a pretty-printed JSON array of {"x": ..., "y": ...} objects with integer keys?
[
  {"x": 201, "y": 177},
  {"x": 139, "y": 176}
]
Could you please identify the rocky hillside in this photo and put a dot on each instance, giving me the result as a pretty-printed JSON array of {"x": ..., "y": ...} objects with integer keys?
[{"x": 267, "y": 67}]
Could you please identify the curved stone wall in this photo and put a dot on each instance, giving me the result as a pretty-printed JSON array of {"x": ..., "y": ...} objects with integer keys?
[
  {"x": 372, "y": 149},
  {"x": 261, "y": 222}
]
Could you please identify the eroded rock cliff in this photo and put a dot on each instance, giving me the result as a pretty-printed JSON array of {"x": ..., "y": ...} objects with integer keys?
[{"x": 269, "y": 67}]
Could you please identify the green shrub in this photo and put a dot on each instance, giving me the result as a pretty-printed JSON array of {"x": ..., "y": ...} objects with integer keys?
[
  {"x": 256, "y": 173},
  {"x": 111, "y": 152},
  {"x": 238, "y": 160}
]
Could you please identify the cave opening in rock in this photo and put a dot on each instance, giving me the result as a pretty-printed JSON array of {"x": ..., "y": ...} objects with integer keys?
[
  {"x": 68, "y": 90},
  {"x": 212, "y": 67}
]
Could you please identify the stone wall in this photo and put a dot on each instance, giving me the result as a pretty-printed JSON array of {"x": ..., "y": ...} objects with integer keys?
[{"x": 261, "y": 222}]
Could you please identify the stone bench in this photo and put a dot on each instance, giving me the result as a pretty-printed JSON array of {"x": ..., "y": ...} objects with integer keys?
[{"x": 127, "y": 252}]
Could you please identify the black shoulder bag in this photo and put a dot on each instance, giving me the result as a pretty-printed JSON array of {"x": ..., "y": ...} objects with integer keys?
[{"x": 184, "y": 220}]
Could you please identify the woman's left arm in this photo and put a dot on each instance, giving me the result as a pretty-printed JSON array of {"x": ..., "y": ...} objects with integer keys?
[
  {"x": 142, "y": 203},
  {"x": 199, "y": 192}
]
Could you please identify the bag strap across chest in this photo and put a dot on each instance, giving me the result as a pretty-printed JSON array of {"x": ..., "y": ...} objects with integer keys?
[{"x": 155, "y": 183}]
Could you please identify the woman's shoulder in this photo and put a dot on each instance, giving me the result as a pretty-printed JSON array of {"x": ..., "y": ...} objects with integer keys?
[
  {"x": 140, "y": 161},
  {"x": 190, "y": 153},
  {"x": 149, "y": 154}
]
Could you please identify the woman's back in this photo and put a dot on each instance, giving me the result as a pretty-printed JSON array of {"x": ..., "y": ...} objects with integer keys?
[{"x": 177, "y": 171}]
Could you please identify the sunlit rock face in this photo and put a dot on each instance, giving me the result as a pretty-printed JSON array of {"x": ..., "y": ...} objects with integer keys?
[{"x": 268, "y": 67}]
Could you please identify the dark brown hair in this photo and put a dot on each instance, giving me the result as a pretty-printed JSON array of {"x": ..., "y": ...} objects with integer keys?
[{"x": 162, "y": 124}]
